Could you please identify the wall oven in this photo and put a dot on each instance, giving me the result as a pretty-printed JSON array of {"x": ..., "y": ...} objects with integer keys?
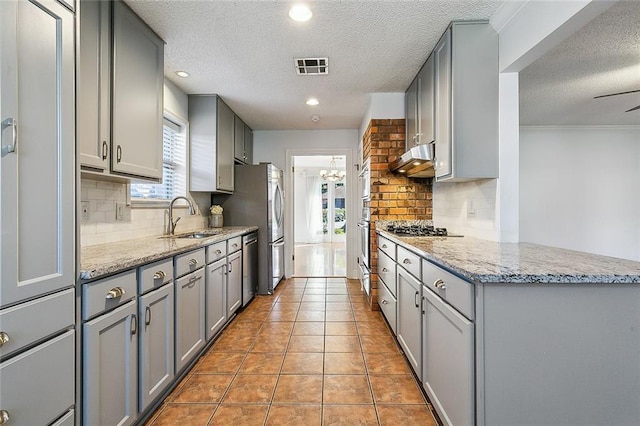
[{"x": 363, "y": 179}]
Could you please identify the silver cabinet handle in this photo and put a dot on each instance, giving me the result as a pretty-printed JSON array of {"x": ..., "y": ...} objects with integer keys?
[
  {"x": 406, "y": 262},
  {"x": 384, "y": 246},
  {"x": 105, "y": 150},
  {"x": 218, "y": 252},
  {"x": 230, "y": 267},
  {"x": 384, "y": 302},
  {"x": 234, "y": 245},
  {"x": 193, "y": 262},
  {"x": 160, "y": 275},
  {"x": 4, "y": 338},
  {"x": 415, "y": 299},
  {"x": 147, "y": 315},
  {"x": 134, "y": 324},
  {"x": 385, "y": 270},
  {"x": 118, "y": 154},
  {"x": 440, "y": 284},
  {"x": 13, "y": 123},
  {"x": 4, "y": 417},
  {"x": 115, "y": 292}
]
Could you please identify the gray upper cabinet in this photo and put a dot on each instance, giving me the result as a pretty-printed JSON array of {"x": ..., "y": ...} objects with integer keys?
[
  {"x": 411, "y": 108},
  {"x": 38, "y": 149},
  {"x": 248, "y": 145},
  {"x": 212, "y": 129},
  {"x": 238, "y": 140},
  {"x": 120, "y": 92},
  {"x": 466, "y": 102}
]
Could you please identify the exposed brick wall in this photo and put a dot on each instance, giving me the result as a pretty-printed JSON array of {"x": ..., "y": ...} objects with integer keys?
[{"x": 393, "y": 196}]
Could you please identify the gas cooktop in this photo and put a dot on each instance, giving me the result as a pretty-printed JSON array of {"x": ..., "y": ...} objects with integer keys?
[{"x": 420, "y": 231}]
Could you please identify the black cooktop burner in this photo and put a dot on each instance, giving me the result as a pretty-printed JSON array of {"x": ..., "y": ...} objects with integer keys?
[{"x": 418, "y": 230}]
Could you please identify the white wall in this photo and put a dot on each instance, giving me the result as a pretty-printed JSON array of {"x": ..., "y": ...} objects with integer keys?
[
  {"x": 175, "y": 100},
  {"x": 580, "y": 189},
  {"x": 386, "y": 106}
]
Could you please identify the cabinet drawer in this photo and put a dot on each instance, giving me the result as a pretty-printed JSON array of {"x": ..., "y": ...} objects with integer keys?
[
  {"x": 189, "y": 262},
  {"x": 69, "y": 419},
  {"x": 387, "y": 271},
  {"x": 387, "y": 247},
  {"x": 234, "y": 244},
  {"x": 456, "y": 291},
  {"x": 155, "y": 275},
  {"x": 216, "y": 251},
  {"x": 106, "y": 294},
  {"x": 388, "y": 305},
  {"x": 409, "y": 261},
  {"x": 38, "y": 385},
  {"x": 23, "y": 323}
]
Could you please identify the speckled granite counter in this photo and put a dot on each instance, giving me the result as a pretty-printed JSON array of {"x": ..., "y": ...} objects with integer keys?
[
  {"x": 106, "y": 259},
  {"x": 484, "y": 261}
]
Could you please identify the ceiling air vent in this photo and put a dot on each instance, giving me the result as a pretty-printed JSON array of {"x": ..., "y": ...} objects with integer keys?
[{"x": 312, "y": 66}]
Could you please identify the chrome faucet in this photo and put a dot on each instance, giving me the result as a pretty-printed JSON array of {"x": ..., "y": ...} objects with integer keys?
[{"x": 172, "y": 224}]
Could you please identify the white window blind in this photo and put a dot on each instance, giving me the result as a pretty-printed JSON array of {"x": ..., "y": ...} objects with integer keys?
[{"x": 174, "y": 170}]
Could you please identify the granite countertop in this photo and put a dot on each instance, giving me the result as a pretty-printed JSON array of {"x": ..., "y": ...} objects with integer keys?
[
  {"x": 106, "y": 259},
  {"x": 483, "y": 261}
]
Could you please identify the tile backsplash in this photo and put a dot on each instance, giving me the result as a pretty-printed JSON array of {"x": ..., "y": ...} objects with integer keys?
[{"x": 102, "y": 227}]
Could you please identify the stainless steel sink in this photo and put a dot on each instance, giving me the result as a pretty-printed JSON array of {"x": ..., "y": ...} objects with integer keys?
[{"x": 196, "y": 235}]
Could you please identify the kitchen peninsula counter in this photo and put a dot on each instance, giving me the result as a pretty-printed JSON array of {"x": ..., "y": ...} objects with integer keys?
[
  {"x": 483, "y": 261},
  {"x": 106, "y": 259}
]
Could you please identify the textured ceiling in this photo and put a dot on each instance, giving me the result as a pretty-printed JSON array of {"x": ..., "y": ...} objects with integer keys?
[
  {"x": 601, "y": 58},
  {"x": 244, "y": 50}
]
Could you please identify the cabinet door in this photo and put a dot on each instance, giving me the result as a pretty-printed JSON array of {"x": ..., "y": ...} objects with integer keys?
[
  {"x": 411, "y": 105},
  {"x": 248, "y": 144},
  {"x": 156, "y": 363},
  {"x": 224, "y": 147},
  {"x": 93, "y": 85},
  {"x": 190, "y": 335},
  {"x": 409, "y": 318},
  {"x": 38, "y": 149},
  {"x": 110, "y": 360},
  {"x": 442, "y": 55},
  {"x": 234, "y": 283},
  {"x": 448, "y": 373},
  {"x": 216, "y": 309},
  {"x": 426, "y": 102},
  {"x": 238, "y": 140},
  {"x": 138, "y": 78}
]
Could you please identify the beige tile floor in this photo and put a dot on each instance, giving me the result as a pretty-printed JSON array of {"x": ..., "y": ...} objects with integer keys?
[{"x": 311, "y": 354}]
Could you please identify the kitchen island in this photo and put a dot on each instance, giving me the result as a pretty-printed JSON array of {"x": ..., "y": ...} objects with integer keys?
[{"x": 513, "y": 334}]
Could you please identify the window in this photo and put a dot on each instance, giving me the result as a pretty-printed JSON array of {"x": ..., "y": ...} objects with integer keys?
[{"x": 174, "y": 165}]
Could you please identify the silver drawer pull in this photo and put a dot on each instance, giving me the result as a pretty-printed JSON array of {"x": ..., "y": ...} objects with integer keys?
[
  {"x": 160, "y": 275},
  {"x": 406, "y": 262},
  {"x": 218, "y": 252},
  {"x": 385, "y": 270},
  {"x": 193, "y": 262},
  {"x": 4, "y": 338},
  {"x": 234, "y": 245},
  {"x": 115, "y": 292},
  {"x": 440, "y": 284},
  {"x": 384, "y": 302},
  {"x": 13, "y": 123},
  {"x": 384, "y": 246},
  {"x": 4, "y": 417}
]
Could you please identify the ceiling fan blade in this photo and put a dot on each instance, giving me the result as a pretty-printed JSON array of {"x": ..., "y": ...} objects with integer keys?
[
  {"x": 635, "y": 108},
  {"x": 616, "y": 94}
]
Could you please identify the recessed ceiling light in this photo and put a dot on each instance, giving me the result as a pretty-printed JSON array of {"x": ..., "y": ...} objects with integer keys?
[
  {"x": 315, "y": 118},
  {"x": 312, "y": 101},
  {"x": 183, "y": 74},
  {"x": 300, "y": 12}
]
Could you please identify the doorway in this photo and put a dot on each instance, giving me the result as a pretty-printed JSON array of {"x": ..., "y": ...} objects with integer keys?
[{"x": 320, "y": 215}]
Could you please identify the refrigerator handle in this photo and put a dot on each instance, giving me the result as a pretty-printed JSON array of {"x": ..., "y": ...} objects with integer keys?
[{"x": 280, "y": 244}]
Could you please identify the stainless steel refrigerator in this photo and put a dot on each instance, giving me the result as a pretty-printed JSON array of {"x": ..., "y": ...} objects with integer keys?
[{"x": 258, "y": 199}]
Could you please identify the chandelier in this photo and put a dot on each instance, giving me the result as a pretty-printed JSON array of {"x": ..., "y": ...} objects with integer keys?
[{"x": 332, "y": 175}]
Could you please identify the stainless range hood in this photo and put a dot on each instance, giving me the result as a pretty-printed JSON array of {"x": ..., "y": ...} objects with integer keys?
[{"x": 417, "y": 162}]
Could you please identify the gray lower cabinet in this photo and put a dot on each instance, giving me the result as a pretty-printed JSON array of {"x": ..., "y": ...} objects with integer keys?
[
  {"x": 216, "y": 309},
  {"x": 156, "y": 360},
  {"x": 51, "y": 365},
  {"x": 448, "y": 371},
  {"x": 409, "y": 318},
  {"x": 234, "y": 283},
  {"x": 189, "y": 317},
  {"x": 110, "y": 364}
]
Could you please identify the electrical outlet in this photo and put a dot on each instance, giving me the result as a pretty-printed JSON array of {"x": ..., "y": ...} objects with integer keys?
[
  {"x": 471, "y": 210},
  {"x": 84, "y": 208},
  {"x": 120, "y": 211}
]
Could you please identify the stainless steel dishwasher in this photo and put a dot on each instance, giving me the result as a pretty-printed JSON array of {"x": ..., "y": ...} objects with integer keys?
[{"x": 249, "y": 267}]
